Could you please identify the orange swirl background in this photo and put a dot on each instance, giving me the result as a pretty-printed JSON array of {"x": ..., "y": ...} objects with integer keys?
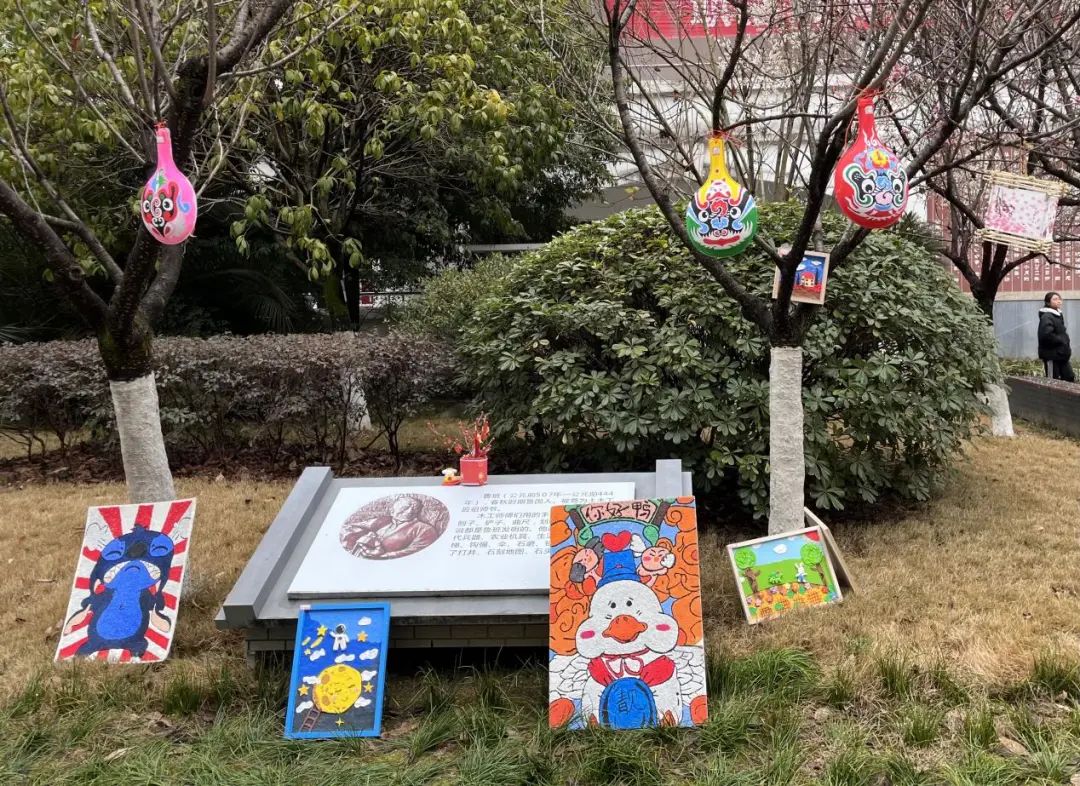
[{"x": 570, "y": 601}]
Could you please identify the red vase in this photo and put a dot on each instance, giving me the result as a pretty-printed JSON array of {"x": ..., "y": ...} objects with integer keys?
[
  {"x": 474, "y": 470},
  {"x": 870, "y": 185}
]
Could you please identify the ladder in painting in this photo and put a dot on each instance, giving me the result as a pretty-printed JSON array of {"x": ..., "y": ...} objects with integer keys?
[{"x": 311, "y": 719}]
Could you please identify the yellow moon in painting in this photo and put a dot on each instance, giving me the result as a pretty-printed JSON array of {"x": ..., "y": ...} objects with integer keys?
[{"x": 338, "y": 689}]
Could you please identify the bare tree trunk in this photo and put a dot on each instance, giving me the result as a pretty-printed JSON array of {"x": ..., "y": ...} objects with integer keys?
[
  {"x": 997, "y": 398},
  {"x": 787, "y": 464},
  {"x": 146, "y": 467}
]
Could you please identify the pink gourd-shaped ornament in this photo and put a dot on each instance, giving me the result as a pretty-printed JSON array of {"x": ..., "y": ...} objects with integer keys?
[
  {"x": 870, "y": 185},
  {"x": 168, "y": 204}
]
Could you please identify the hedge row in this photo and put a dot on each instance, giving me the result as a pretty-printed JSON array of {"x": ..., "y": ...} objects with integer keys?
[{"x": 222, "y": 395}]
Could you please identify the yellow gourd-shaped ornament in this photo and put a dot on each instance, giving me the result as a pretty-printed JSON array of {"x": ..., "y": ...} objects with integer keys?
[{"x": 722, "y": 216}]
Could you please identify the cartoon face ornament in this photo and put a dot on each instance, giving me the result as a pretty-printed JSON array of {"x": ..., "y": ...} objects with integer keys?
[
  {"x": 870, "y": 185},
  {"x": 168, "y": 205},
  {"x": 722, "y": 216}
]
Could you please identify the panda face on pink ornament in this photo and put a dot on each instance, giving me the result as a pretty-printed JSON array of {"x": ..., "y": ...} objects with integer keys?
[{"x": 168, "y": 205}]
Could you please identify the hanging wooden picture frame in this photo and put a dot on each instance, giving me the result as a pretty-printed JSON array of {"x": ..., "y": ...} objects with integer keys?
[
  {"x": 1020, "y": 211},
  {"x": 810, "y": 279}
]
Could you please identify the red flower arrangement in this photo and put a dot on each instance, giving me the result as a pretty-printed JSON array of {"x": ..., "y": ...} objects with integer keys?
[{"x": 472, "y": 444}]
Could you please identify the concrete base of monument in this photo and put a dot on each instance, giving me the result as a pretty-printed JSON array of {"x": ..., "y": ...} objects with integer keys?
[
  {"x": 461, "y": 567},
  {"x": 428, "y": 634}
]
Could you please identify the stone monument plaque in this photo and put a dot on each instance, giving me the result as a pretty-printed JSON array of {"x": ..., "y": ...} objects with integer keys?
[{"x": 387, "y": 541}]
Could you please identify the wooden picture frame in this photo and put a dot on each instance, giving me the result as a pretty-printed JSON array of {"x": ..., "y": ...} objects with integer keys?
[
  {"x": 1020, "y": 211},
  {"x": 789, "y": 587},
  {"x": 815, "y": 269}
]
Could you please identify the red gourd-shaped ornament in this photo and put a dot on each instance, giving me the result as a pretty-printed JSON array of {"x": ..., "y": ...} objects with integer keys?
[
  {"x": 870, "y": 185},
  {"x": 168, "y": 204}
]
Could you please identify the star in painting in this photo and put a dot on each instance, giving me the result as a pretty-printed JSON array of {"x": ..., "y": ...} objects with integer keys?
[
  {"x": 339, "y": 722},
  {"x": 321, "y": 630},
  {"x": 361, "y": 636},
  {"x": 368, "y": 687},
  {"x": 302, "y": 690}
]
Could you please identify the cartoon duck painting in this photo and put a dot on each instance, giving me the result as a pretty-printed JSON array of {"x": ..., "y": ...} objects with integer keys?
[{"x": 627, "y": 667}]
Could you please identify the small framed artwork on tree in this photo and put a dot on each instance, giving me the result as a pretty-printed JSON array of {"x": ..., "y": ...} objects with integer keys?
[
  {"x": 780, "y": 573},
  {"x": 1020, "y": 211},
  {"x": 810, "y": 278}
]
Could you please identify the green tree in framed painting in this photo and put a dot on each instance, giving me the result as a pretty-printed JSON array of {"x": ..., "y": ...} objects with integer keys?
[
  {"x": 745, "y": 559},
  {"x": 814, "y": 556}
]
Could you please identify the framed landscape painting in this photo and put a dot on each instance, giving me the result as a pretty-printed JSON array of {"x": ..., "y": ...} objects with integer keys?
[{"x": 780, "y": 573}]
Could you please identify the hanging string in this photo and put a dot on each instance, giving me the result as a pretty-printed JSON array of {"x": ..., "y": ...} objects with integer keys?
[
  {"x": 722, "y": 134},
  {"x": 1025, "y": 149},
  {"x": 866, "y": 92},
  {"x": 76, "y": 35}
]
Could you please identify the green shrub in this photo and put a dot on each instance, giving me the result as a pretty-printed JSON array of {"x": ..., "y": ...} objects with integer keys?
[
  {"x": 307, "y": 393},
  {"x": 447, "y": 301},
  {"x": 610, "y": 348},
  {"x": 53, "y": 389}
]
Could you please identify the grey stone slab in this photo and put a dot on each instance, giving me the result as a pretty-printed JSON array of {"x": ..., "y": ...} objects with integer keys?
[
  {"x": 261, "y": 593},
  {"x": 485, "y": 540},
  {"x": 257, "y": 580},
  {"x": 1050, "y": 402},
  {"x": 669, "y": 479}
]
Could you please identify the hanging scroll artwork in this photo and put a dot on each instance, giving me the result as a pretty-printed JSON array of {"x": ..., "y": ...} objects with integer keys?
[{"x": 1020, "y": 211}]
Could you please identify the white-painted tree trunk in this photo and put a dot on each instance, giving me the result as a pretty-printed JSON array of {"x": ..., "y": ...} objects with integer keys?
[
  {"x": 146, "y": 467},
  {"x": 360, "y": 418},
  {"x": 997, "y": 398},
  {"x": 787, "y": 463}
]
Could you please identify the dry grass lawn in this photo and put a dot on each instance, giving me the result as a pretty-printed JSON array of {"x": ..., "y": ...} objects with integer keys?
[
  {"x": 40, "y": 532},
  {"x": 987, "y": 577},
  {"x": 911, "y": 681}
]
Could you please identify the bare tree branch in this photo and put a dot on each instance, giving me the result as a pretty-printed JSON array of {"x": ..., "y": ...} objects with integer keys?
[{"x": 161, "y": 70}]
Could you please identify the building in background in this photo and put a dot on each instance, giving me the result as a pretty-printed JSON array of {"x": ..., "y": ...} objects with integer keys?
[{"x": 1016, "y": 308}]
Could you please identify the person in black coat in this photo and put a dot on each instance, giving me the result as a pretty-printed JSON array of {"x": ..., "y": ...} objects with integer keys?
[{"x": 1054, "y": 349}]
